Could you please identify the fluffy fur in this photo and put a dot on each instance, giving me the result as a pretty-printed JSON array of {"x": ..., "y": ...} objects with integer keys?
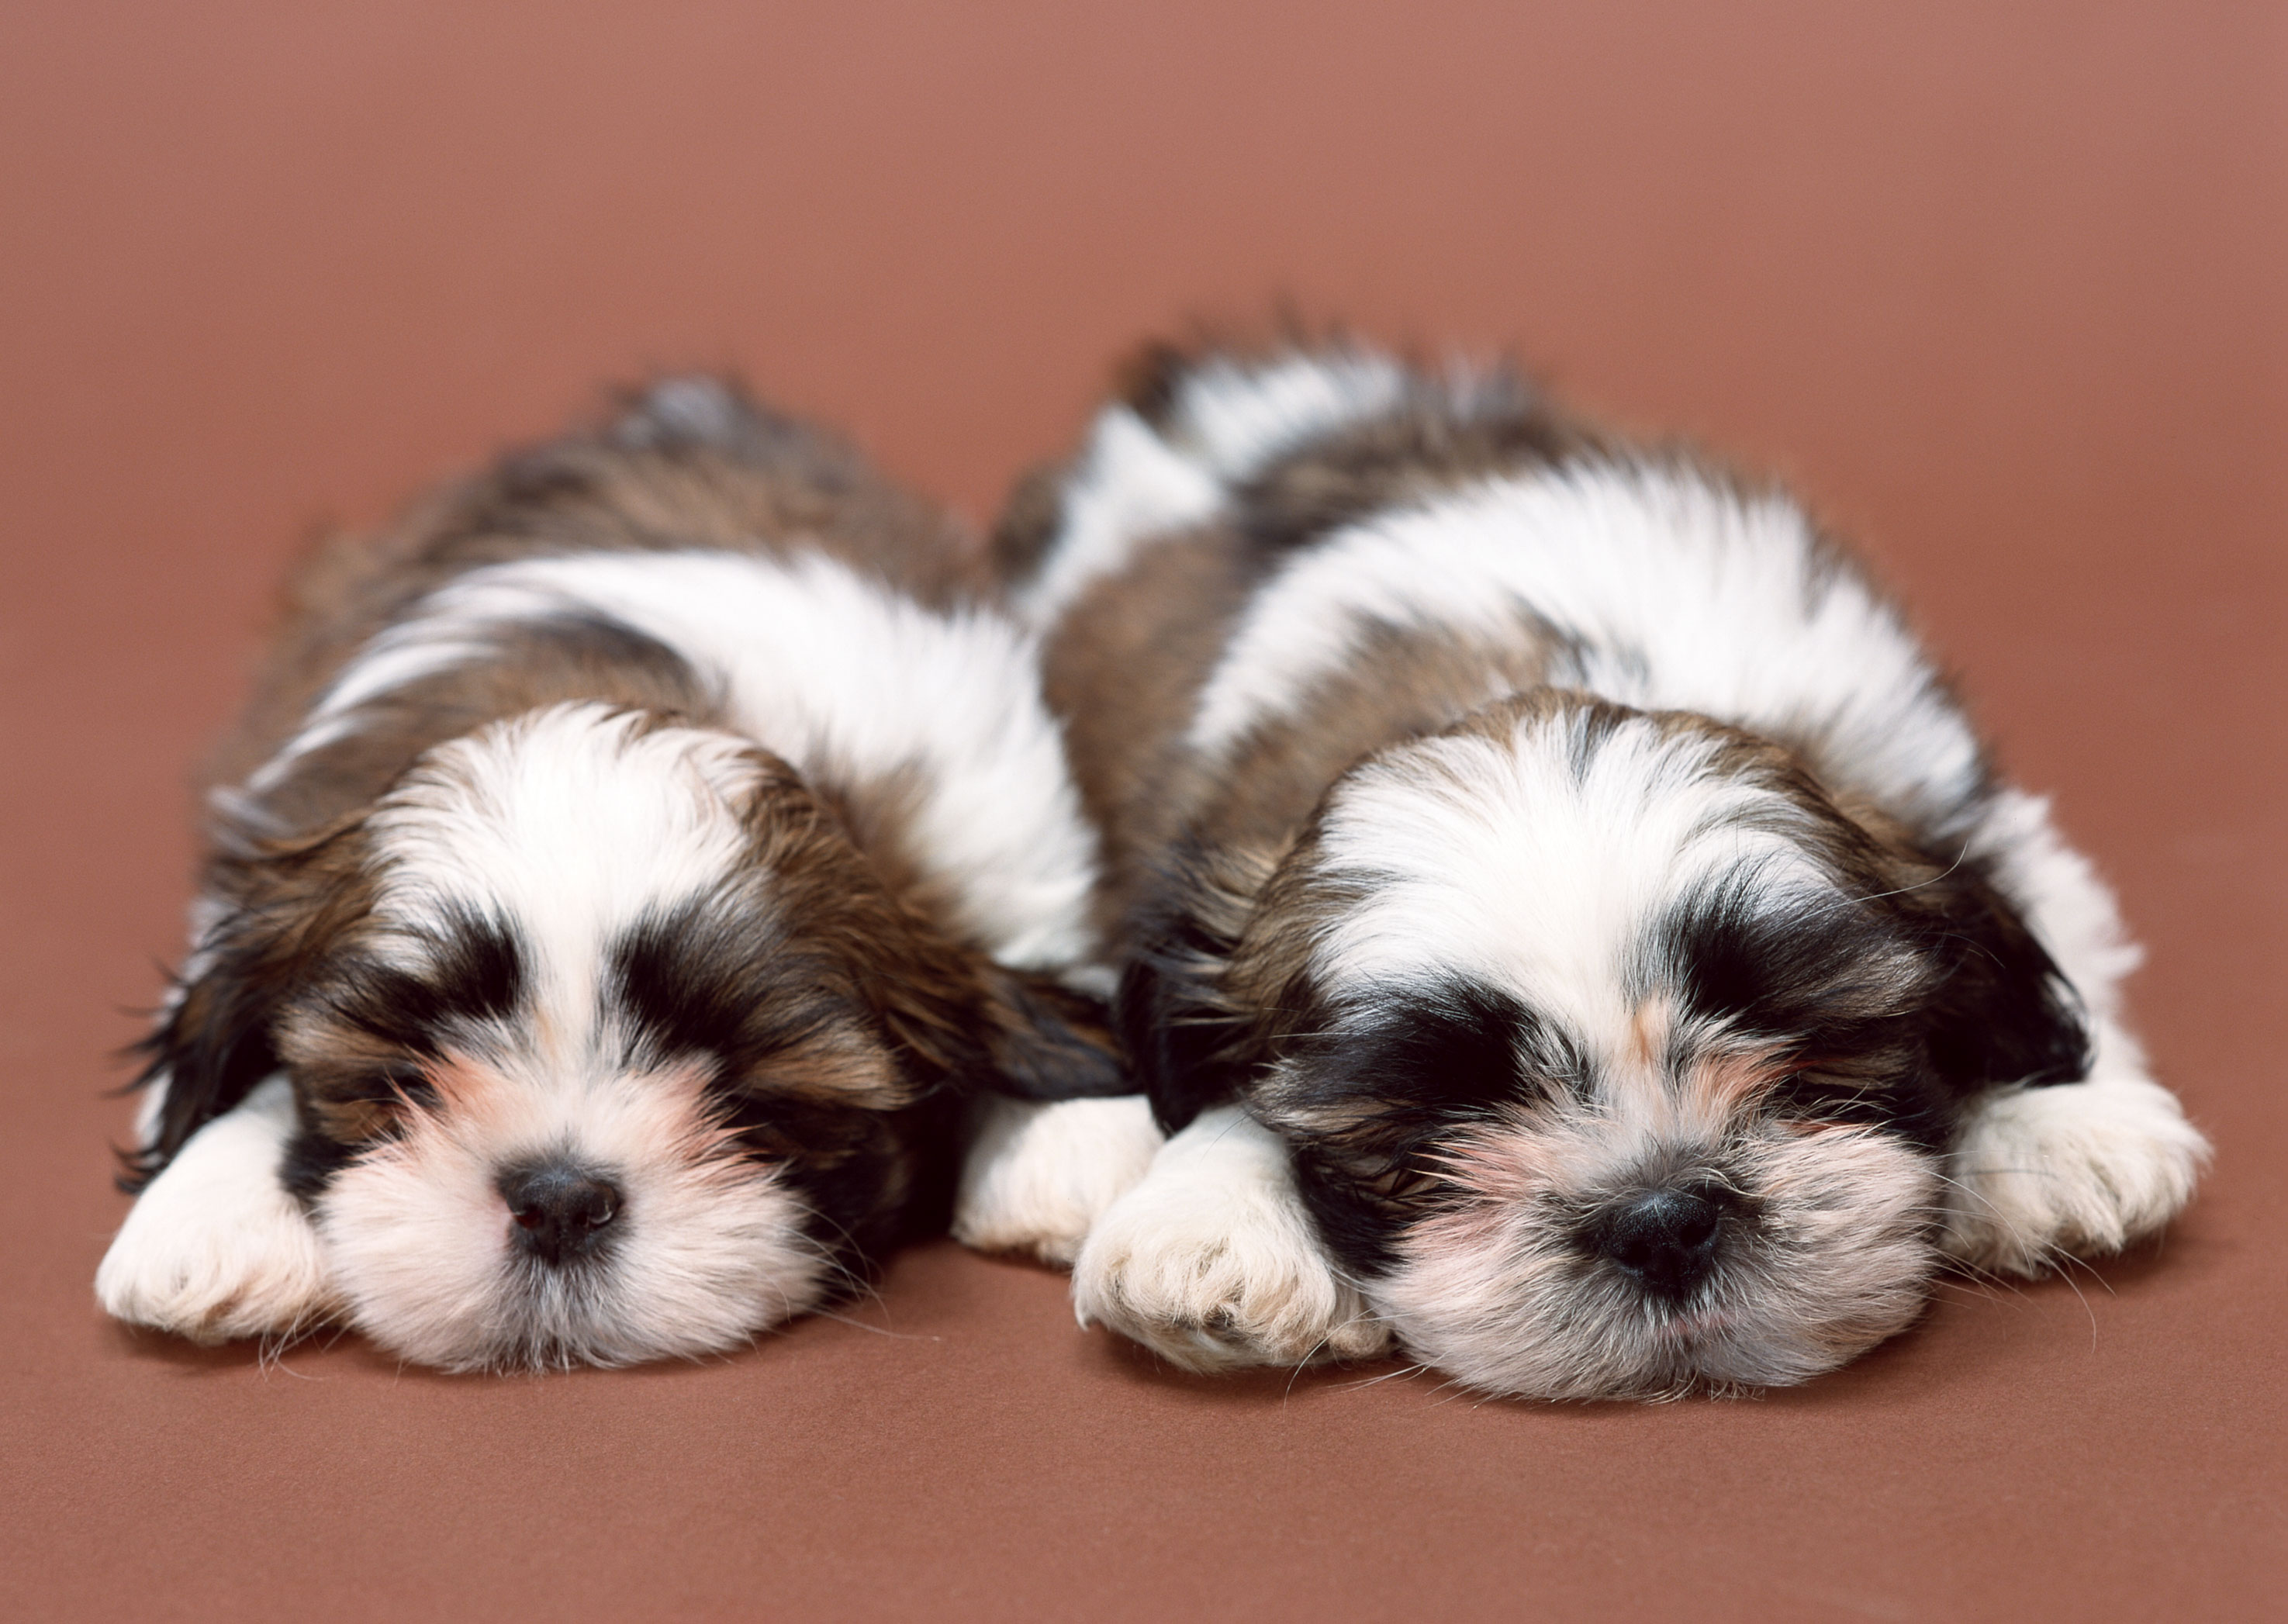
[
  {"x": 1039, "y": 1174},
  {"x": 629, "y": 873},
  {"x": 1593, "y": 934}
]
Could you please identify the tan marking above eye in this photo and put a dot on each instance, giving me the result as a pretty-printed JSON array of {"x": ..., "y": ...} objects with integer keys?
[{"x": 1649, "y": 1026}]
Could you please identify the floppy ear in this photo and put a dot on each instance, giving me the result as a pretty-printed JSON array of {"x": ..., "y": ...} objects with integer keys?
[
  {"x": 1046, "y": 1042},
  {"x": 1183, "y": 1027},
  {"x": 2005, "y": 1015},
  {"x": 213, "y": 1041},
  {"x": 978, "y": 1027},
  {"x": 211, "y": 1049}
]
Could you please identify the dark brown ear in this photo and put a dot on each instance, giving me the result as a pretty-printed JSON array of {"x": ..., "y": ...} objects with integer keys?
[
  {"x": 1046, "y": 1042},
  {"x": 214, "y": 1042},
  {"x": 962, "y": 1022},
  {"x": 1183, "y": 1023},
  {"x": 2005, "y": 1014},
  {"x": 975, "y": 1026}
]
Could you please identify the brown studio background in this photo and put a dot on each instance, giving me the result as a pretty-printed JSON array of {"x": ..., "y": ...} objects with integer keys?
[{"x": 2000, "y": 287}]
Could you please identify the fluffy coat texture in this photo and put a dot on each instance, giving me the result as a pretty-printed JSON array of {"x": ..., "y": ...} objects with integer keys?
[
  {"x": 1568, "y": 925},
  {"x": 634, "y": 867}
]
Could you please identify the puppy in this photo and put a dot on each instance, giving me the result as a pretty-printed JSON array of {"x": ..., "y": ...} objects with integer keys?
[
  {"x": 1570, "y": 928},
  {"x": 631, "y": 866}
]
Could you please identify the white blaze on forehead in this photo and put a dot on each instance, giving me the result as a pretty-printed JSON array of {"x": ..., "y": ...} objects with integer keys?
[
  {"x": 571, "y": 824},
  {"x": 1537, "y": 868},
  {"x": 1680, "y": 594}
]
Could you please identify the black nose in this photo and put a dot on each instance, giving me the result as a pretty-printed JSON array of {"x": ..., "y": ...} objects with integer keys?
[
  {"x": 561, "y": 1210},
  {"x": 1666, "y": 1238}
]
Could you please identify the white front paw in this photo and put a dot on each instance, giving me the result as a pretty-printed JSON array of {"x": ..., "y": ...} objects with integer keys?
[
  {"x": 2076, "y": 1170},
  {"x": 215, "y": 1248},
  {"x": 1037, "y": 1175},
  {"x": 1212, "y": 1263}
]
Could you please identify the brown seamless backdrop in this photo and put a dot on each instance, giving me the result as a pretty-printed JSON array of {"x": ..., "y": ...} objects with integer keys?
[{"x": 2000, "y": 287}]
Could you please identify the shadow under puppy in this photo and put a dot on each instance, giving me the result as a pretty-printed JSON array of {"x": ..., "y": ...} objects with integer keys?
[
  {"x": 1568, "y": 927},
  {"x": 631, "y": 867}
]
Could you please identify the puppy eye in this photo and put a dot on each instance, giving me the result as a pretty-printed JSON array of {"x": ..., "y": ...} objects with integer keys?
[
  {"x": 389, "y": 1084},
  {"x": 1823, "y": 1097}
]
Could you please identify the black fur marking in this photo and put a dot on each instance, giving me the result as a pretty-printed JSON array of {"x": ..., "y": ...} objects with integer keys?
[
  {"x": 1817, "y": 972},
  {"x": 1404, "y": 1078},
  {"x": 1897, "y": 1014},
  {"x": 384, "y": 1085},
  {"x": 2004, "y": 1012},
  {"x": 311, "y": 1160},
  {"x": 476, "y": 974},
  {"x": 1175, "y": 1030},
  {"x": 690, "y": 982},
  {"x": 1459, "y": 1048},
  {"x": 705, "y": 981},
  {"x": 209, "y": 1052},
  {"x": 1834, "y": 986},
  {"x": 858, "y": 1208}
]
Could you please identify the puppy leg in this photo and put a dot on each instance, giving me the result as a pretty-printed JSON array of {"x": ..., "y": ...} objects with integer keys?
[
  {"x": 1211, "y": 1261},
  {"x": 1037, "y": 1175},
  {"x": 215, "y": 1248},
  {"x": 2082, "y": 1168},
  {"x": 2079, "y": 1168}
]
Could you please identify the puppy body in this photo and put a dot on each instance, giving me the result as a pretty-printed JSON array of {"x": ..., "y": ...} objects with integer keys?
[
  {"x": 1583, "y": 873},
  {"x": 629, "y": 869}
]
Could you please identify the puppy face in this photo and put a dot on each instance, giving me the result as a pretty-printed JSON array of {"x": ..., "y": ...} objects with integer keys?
[
  {"x": 606, "y": 1042},
  {"x": 1615, "y": 1058}
]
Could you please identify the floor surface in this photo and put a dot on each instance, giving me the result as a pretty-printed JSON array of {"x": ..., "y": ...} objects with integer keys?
[{"x": 1999, "y": 288}]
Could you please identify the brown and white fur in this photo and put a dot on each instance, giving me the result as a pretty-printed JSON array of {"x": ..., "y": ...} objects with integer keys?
[
  {"x": 632, "y": 867},
  {"x": 1569, "y": 929}
]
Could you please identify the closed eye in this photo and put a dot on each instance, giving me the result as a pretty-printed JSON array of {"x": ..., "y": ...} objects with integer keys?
[
  {"x": 387, "y": 1085},
  {"x": 1461, "y": 1049},
  {"x": 1826, "y": 1098}
]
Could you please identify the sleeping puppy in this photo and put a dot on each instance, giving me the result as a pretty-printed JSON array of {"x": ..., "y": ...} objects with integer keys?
[
  {"x": 1568, "y": 926},
  {"x": 630, "y": 868}
]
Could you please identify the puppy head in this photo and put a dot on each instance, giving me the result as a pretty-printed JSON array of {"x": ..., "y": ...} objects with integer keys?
[
  {"x": 1616, "y": 1057},
  {"x": 606, "y": 1040}
]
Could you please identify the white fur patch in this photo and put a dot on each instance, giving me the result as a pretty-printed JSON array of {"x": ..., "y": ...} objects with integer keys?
[
  {"x": 1682, "y": 594},
  {"x": 1237, "y": 415},
  {"x": 1130, "y": 485},
  {"x": 1506, "y": 859},
  {"x": 1211, "y": 1261},
  {"x": 214, "y": 1248},
  {"x": 837, "y": 673},
  {"x": 2078, "y": 1169},
  {"x": 708, "y": 1247},
  {"x": 572, "y": 823},
  {"x": 1038, "y": 1176}
]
